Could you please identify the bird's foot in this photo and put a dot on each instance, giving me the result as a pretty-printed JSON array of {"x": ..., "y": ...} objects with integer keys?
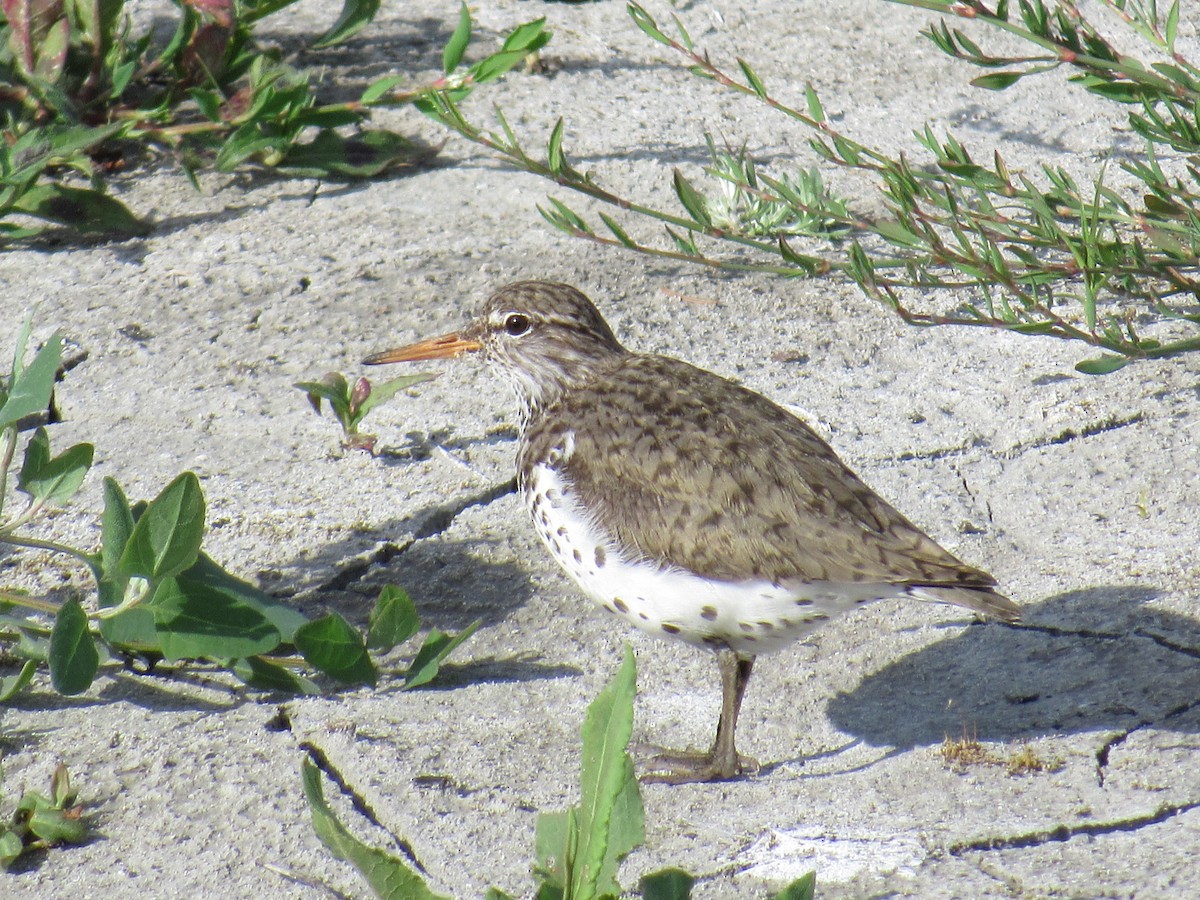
[{"x": 662, "y": 766}]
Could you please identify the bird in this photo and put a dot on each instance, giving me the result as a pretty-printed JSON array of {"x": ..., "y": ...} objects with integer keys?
[{"x": 689, "y": 505}]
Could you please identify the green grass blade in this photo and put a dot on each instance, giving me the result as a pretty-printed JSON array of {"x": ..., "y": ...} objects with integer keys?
[
  {"x": 388, "y": 875},
  {"x": 611, "y": 821}
]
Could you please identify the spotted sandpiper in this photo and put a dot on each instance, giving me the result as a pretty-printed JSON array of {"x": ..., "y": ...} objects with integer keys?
[{"x": 690, "y": 506}]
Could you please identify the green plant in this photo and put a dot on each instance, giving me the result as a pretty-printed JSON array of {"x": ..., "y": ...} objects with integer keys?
[
  {"x": 158, "y": 596},
  {"x": 351, "y": 404},
  {"x": 1036, "y": 254},
  {"x": 578, "y": 850},
  {"x": 78, "y": 88},
  {"x": 40, "y": 822}
]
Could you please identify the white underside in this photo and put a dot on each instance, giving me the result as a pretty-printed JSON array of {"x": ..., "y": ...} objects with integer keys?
[{"x": 749, "y": 617}]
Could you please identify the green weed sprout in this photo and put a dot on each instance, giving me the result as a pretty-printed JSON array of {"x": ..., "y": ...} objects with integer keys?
[{"x": 350, "y": 404}]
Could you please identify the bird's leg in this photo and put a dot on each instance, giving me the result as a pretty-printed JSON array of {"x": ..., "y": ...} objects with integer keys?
[{"x": 722, "y": 762}]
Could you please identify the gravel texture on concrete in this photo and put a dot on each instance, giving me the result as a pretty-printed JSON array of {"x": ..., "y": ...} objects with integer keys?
[{"x": 1078, "y": 493}]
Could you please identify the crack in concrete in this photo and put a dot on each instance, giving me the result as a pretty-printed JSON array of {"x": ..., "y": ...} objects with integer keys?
[
  {"x": 443, "y": 517},
  {"x": 354, "y": 570},
  {"x": 358, "y": 801},
  {"x": 1062, "y": 833},
  {"x": 1167, "y": 644},
  {"x": 1067, "y": 435},
  {"x": 1102, "y": 753},
  {"x": 1163, "y": 642},
  {"x": 435, "y": 523}
]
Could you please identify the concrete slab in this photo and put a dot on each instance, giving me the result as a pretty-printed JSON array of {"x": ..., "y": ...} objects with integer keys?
[{"x": 1077, "y": 493}]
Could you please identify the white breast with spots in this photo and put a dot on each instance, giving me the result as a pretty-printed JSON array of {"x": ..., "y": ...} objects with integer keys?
[{"x": 666, "y": 601}]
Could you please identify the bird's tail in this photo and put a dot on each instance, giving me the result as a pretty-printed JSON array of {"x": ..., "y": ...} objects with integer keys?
[{"x": 983, "y": 600}]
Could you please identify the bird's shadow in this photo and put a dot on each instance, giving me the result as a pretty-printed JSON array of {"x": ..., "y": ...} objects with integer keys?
[{"x": 1068, "y": 669}]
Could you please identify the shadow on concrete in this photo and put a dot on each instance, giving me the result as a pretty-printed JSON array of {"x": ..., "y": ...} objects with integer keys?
[{"x": 1069, "y": 669}]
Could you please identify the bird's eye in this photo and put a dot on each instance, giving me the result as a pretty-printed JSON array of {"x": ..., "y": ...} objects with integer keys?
[{"x": 516, "y": 324}]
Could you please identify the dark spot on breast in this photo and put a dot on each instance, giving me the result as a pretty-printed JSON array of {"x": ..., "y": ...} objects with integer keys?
[
  {"x": 578, "y": 556},
  {"x": 643, "y": 617},
  {"x": 766, "y": 626},
  {"x": 669, "y": 628},
  {"x": 745, "y": 626},
  {"x": 713, "y": 641},
  {"x": 709, "y": 612},
  {"x": 804, "y": 601},
  {"x": 818, "y": 617},
  {"x": 601, "y": 557},
  {"x": 562, "y": 530},
  {"x": 621, "y": 605}
]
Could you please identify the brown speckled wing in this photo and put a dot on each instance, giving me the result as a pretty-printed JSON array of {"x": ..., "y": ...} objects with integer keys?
[{"x": 679, "y": 464}]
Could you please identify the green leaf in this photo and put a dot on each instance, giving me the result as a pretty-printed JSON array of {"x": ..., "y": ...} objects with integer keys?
[
  {"x": 618, "y": 231},
  {"x": 453, "y": 53},
  {"x": 387, "y": 875},
  {"x": 83, "y": 209},
  {"x": 998, "y": 81},
  {"x": 752, "y": 79},
  {"x": 1171, "y": 28},
  {"x": 393, "y": 620},
  {"x": 522, "y": 41},
  {"x": 803, "y": 888},
  {"x": 11, "y": 685},
  {"x": 642, "y": 19},
  {"x": 166, "y": 539},
  {"x": 554, "y": 837},
  {"x": 554, "y": 155},
  {"x": 132, "y": 630},
  {"x": 433, "y": 653},
  {"x": 116, "y": 525},
  {"x": 815, "y": 110},
  {"x": 1102, "y": 365},
  {"x": 31, "y": 387},
  {"x": 73, "y": 656},
  {"x": 387, "y": 389},
  {"x": 611, "y": 820},
  {"x": 53, "y": 480},
  {"x": 196, "y": 622},
  {"x": 264, "y": 675},
  {"x": 667, "y": 884},
  {"x": 379, "y": 88},
  {"x": 356, "y": 15},
  {"x": 693, "y": 201},
  {"x": 331, "y": 646},
  {"x": 11, "y": 848},
  {"x": 55, "y": 826},
  {"x": 206, "y": 573}
]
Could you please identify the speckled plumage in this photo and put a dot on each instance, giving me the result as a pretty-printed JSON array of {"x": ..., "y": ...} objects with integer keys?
[{"x": 693, "y": 507}]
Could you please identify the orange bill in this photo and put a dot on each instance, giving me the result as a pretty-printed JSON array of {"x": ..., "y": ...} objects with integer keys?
[{"x": 447, "y": 346}]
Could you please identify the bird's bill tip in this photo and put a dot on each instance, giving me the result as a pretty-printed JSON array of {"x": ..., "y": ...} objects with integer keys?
[{"x": 447, "y": 346}]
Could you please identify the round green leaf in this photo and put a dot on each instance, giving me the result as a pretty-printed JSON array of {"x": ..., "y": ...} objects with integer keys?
[
  {"x": 332, "y": 646},
  {"x": 166, "y": 539},
  {"x": 73, "y": 656}
]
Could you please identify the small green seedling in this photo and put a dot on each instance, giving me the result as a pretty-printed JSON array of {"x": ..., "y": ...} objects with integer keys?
[
  {"x": 41, "y": 822},
  {"x": 351, "y": 404}
]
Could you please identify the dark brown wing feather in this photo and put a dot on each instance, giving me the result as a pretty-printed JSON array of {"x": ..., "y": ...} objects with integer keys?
[{"x": 680, "y": 464}]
